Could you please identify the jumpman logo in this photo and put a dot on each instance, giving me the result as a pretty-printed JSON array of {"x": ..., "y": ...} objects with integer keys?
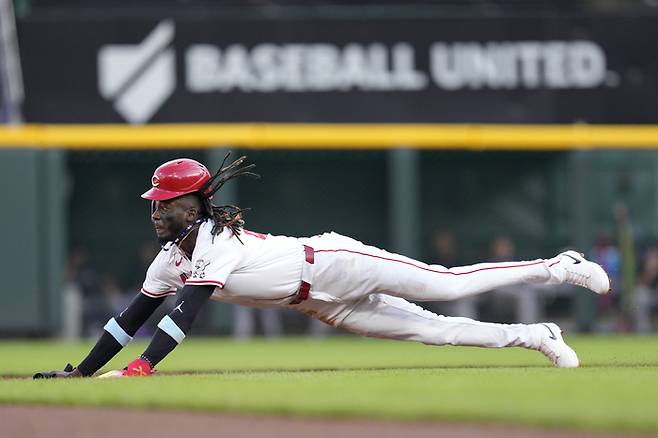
[{"x": 179, "y": 307}]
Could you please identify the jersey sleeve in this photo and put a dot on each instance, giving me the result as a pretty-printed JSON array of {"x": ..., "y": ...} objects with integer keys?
[
  {"x": 213, "y": 261},
  {"x": 157, "y": 283}
]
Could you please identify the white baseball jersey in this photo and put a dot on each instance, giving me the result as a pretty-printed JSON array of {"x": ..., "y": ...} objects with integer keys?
[{"x": 263, "y": 270}]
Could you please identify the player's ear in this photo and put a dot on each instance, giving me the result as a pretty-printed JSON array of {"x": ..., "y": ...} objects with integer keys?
[{"x": 192, "y": 214}]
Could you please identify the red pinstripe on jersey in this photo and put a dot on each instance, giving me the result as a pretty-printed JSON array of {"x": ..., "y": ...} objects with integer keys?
[
  {"x": 518, "y": 265},
  {"x": 205, "y": 282},
  {"x": 154, "y": 295}
]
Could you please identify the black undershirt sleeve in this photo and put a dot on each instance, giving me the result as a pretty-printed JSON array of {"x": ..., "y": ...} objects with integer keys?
[
  {"x": 138, "y": 311},
  {"x": 130, "y": 320},
  {"x": 189, "y": 302}
]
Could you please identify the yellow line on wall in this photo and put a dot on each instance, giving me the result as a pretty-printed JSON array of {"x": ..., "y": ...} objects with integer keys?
[{"x": 331, "y": 136}]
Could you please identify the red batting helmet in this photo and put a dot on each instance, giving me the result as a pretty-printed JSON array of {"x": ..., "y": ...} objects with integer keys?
[{"x": 177, "y": 178}]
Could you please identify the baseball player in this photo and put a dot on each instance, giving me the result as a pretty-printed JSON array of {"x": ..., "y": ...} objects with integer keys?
[{"x": 208, "y": 254}]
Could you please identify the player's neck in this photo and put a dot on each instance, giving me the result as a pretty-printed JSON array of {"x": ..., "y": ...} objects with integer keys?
[{"x": 188, "y": 244}]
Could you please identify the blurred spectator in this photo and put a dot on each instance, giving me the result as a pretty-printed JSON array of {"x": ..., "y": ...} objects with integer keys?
[
  {"x": 444, "y": 245},
  {"x": 80, "y": 299},
  {"x": 606, "y": 254},
  {"x": 513, "y": 303},
  {"x": 244, "y": 322},
  {"x": 445, "y": 253},
  {"x": 108, "y": 299},
  {"x": 113, "y": 297},
  {"x": 80, "y": 270},
  {"x": 646, "y": 291},
  {"x": 502, "y": 249},
  {"x": 628, "y": 267},
  {"x": 78, "y": 275}
]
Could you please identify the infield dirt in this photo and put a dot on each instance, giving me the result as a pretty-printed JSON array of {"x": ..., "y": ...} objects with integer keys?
[{"x": 74, "y": 422}]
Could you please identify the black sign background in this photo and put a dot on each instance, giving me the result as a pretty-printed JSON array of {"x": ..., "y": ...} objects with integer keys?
[{"x": 59, "y": 66}]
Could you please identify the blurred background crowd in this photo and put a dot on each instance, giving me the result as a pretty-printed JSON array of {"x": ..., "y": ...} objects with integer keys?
[{"x": 79, "y": 239}]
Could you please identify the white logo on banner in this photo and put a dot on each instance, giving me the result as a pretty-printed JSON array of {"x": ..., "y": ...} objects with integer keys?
[
  {"x": 378, "y": 67},
  {"x": 138, "y": 79},
  {"x": 518, "y": 64}
]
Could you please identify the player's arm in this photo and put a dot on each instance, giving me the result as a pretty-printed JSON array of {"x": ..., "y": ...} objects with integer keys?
[
  {"x": 117, "y": 333},
  {"x": 172, "y": 329}
]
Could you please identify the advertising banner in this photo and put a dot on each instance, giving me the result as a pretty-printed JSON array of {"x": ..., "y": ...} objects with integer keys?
[{"x": 599, "y": 69}]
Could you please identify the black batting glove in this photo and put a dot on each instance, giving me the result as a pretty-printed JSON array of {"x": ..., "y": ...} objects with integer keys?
[{"x": 68, "y": 372}]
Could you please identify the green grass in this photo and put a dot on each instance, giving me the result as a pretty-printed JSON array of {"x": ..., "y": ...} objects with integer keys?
[{"x": 615, "y": 389}]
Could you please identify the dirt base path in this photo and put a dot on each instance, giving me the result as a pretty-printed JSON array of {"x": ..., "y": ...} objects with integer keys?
[{"x": 73, "y": 422}]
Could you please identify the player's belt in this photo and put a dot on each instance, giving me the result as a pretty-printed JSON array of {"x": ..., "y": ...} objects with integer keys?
[{"x": 307, "y": 275}]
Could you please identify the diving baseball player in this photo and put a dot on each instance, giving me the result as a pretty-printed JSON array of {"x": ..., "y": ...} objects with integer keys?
[{"x": 208, "y": 254}]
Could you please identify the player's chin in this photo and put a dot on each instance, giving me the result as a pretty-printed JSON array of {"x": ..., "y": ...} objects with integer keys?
[{"x": 163, "y": 236}]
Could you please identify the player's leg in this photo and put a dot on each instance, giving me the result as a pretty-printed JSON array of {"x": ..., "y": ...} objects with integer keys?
[
  {"x": 351, "y": 270},
  {"x": 383, "y": 316}
]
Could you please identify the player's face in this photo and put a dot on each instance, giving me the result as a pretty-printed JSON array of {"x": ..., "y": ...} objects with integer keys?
[{"x": 169, "y": 219}]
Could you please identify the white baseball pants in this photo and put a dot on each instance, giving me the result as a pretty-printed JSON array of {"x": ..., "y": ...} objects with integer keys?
[{"x": 363, "y": 289}]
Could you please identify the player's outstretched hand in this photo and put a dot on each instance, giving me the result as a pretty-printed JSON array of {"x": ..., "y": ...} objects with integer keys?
[{"x": 68, "y": 372}]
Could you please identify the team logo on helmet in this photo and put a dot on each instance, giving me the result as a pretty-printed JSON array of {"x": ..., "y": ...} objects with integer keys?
[{"x": 155, "y": 181}]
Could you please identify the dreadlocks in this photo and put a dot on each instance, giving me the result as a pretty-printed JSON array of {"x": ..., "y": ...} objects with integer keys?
[{"x": 229, "y": 216}]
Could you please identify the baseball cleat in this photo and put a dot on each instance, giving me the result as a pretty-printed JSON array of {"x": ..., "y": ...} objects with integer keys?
[
  {"x": 575, "y": 269},
  {"x": 554, "y": 347},
  {"x": 138, "y": 367}
]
